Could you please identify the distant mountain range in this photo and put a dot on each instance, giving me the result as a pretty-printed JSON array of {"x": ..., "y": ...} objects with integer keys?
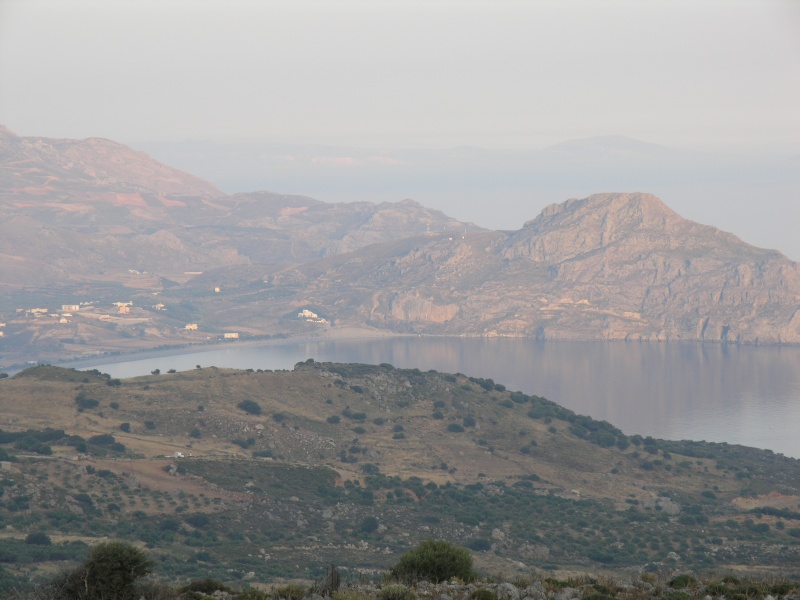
[{"x": 93, "y": 220}]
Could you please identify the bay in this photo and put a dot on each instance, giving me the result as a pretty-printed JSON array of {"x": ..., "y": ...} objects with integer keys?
[{"x": 747, "y": 395}]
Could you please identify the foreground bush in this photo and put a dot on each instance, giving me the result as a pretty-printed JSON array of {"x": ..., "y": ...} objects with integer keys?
[
  {"x": 397, "y": 592},
  {"x": 110, "y": 572},
  {"x": 436, "y": 561}
]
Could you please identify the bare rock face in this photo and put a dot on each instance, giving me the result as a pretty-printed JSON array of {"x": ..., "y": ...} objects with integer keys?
[
  {"x": 607, "y": 267},
  {"x": 96, "y": 217},
  {"x": 631, "y": 268},
  {"x": 413, "y": 308}
]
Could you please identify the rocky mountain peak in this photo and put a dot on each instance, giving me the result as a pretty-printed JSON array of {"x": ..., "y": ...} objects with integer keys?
[
  {"x": 636, "y": 207},
  {"x": 574, "y": 227}
]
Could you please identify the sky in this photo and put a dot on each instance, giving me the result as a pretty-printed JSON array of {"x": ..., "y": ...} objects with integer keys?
[{"x": 711, "y": 76}]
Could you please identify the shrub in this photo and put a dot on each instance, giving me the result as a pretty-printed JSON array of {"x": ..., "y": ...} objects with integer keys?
[
  {"x": 369, "y": 524},
  {"x": 675, "y": 595},
  {"x": 251, "y": 594},
  {"x": 334, "y": 419},
  {"x": 38, "y": 538},
  {"x": 106, "y": 440},
  {"x": 682, "y": 581},
  {"x": 250, "y": 407},
  {"x": 126, "y": 427},
  {"x": 150, "y": 424},
  {"x": 354, "y": 416},
  {"x": 109, "y": 572},
  {"x": 480, "y": 545},
  {"x": 205, "y": 586},
  {"x": 455, "y": 428},
  {"x": 435, "y": 560},
  {"x": 349, "y": 594},
  {"x": 86, "y": 403},
  {"x": 483, "y": 594},
  {"x": 198, "y": 520},
  {"x": 291, "y": 591},
  {"x": 397, "y": 592}
]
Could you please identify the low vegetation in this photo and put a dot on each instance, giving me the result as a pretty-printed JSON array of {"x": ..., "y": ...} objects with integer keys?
[
  {"x": 118, "y": 571},
  {"x": 213, "y": 491}
]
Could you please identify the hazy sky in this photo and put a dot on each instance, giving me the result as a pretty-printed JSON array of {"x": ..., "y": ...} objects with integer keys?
[
  {"x": 710, "y": 75},
  {"x": 432, "y": 73}
]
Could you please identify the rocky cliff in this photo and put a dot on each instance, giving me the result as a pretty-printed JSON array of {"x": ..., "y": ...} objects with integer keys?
[
  {"x": 607, "y": 267},
  {"x": 93, "y": 220}
]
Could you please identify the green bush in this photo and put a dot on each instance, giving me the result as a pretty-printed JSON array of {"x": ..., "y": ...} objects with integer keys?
[
  {"x": 436, "y": 561},
  {"x": 110, "y": 572},
  {"x": 483, "y": 594},
  {"x": 396, "y": 592},
  {"x": 369, "y": 524},
  {"x": 250, "y": 407},
  {"x": 291, "y": 591},
  {"x": 675, "y": 595},
  {"x": 206, "y": 586},
  {"x": 38, "y": 538},
  {"x": 251, "y": 594},
  {"x": 682, "y": 581},
  {"x": 480, "y": 545},
  {"x": 349, "y": 594},
  {"x": 86, "y": 403}
]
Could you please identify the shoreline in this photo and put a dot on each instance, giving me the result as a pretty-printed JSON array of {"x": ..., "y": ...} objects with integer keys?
[{"x": 347, "y": 333}]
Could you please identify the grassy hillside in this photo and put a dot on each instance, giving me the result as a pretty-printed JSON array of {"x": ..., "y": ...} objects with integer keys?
[{"x": 259, "y": 475}]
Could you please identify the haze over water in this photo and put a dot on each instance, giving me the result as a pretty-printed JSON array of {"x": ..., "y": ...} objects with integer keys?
[{"x": 740, "y": 395}]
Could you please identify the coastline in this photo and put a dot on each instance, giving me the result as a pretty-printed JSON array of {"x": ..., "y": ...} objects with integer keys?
[{"x": 345, "y": 333}]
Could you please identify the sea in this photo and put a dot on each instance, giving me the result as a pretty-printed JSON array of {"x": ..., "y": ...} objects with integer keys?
[{"x": 748, "y": 395}]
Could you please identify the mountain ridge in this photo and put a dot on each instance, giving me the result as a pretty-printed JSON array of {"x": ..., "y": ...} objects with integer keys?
[{"x": 80, "y": 224}]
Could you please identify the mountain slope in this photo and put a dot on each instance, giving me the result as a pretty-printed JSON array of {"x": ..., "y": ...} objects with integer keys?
[
  {"x": 225, "y": 472},
  {"x": 611, "y": 266},
  {"x": 84, "y": 207},
  {"x": 93, "y": 221}
]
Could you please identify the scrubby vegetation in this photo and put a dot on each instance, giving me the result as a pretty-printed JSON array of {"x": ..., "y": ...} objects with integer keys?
[
  {"x": 436, "y": 561},
  {"x": 435, "y": 568},
  {"x": 213, "y": 491}
]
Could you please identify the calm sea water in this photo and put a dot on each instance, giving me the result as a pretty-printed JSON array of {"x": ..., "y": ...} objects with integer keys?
[{"x": 739, "y": 395}]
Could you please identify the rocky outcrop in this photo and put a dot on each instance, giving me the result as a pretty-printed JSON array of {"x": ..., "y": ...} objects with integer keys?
[
  {"x": 607, "y": 267},
  {"x": 628, "y": 267}
]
